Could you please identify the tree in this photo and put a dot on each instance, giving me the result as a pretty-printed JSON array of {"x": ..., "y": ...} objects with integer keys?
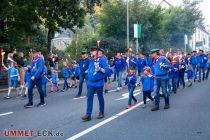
[
  {"x": 56, "y": 14},
  {"x": 179, "y": 21},
  {"x": 18, "y": 21}
]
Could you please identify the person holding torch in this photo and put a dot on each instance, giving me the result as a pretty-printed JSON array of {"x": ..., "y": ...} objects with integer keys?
[{"x": 97, "y": 70}]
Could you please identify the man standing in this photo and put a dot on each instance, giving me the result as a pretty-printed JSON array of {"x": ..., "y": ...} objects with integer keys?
[
  {"x": 120, "y": 65},
  {"x": 193, "y": 63},
  {"x": 37, "y": 69},
  {"x": 161, "y": 66},
  {"x": 97, "y": 70},
  {"x": 202, "y": 60},
  {"x": 133, "y": 60},
  {"x": 142, "y": 62},
  {"x": 83, "y": 65}
]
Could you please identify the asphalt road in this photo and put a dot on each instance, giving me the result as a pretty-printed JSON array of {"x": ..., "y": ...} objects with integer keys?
[{"x": 187, "y": 119}]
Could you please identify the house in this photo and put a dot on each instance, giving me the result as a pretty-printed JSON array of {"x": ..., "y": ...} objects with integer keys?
[
  {"x": 62, "y": 39},
  {"x": 200, "y": 39}
]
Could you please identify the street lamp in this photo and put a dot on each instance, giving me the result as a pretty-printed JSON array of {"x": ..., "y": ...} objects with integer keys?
[{"x": 127, "y": 23}]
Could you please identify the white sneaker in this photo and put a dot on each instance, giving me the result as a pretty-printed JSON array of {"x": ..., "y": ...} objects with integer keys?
[{"x": 118, "y": 88}]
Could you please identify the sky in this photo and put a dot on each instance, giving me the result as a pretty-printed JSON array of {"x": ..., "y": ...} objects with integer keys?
[{"x": 204, "y": 7}]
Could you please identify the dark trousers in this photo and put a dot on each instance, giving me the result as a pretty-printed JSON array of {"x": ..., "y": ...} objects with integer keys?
[
  {"x": 90, "y": 95},
  {"x": 65, "y": 85},
  {"x": 174, "y": 84},
  {"x": 38, "y": 84},
  {"x": 147, "y": 94},
  {"x": 82, "y": 77},
  {"x": 181, "y": 81},
  {"x": 207, "y": 72}
]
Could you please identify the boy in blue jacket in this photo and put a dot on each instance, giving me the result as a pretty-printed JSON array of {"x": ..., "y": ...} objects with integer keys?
[
  {"x": 75, "y": 75},
  {"x": 147, "y": 81},
  {"x": 54, "y": 80},
  {"x": 14, "y": 78},
  {"x": 131, "y": 80},
  {"x": 66, "y": 72},
  {"x": 182, "y": 68},
  {"x": 175, "y": 75},
  {"x": 190, "y": 75}
]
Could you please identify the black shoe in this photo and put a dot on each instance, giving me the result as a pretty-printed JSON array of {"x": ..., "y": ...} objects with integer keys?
[
  {"x": 155, "y": 108},
  {"x": 86, "y": 118},
  {"x": 199, "y": 81},
  {"x": 166, "y": 107},
  {"x": 77, "y": 96},
  {"x": 62, "y": 90},
  {"x": 106, "y": 91},
  {"x": 41, "y": 104},
  {"x": 113, "y": 80},
  {"x": 75, "y": 86},
  {"x": 28, "y": 105},
  {"x": 23, "y": 97},
  {"x": 100, "y": 116}
]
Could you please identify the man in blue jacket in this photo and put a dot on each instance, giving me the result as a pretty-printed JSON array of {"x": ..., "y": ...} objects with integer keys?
[
  {"x": 133, "y": 60},
  {"x": 161, "y": 68},
  {"x": 193, "y": 63},
  {"x": 37, "y": 68},
  {"x": 97, "y": 70},
  {"x": 142, "y": 62},
  {"x": 120, "y": 65},
  {"x": 83, "y": 65},
  {"x": 202, "y": 60}
]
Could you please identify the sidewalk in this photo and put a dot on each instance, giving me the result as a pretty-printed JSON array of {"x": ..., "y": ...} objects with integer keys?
[{"x": 4, "y": 88}]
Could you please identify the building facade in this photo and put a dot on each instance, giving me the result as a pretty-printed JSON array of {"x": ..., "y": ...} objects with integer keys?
[
  {"x": 200, "y": 39},
  {"x": 62, "y": 39}
]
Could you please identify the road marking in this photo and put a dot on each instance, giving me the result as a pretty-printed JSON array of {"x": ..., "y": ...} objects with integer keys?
[
  {"x": 79, "y": 97},
  {"x": 3, "y": 114},
  {"x": 103, "y": 122},
  {"x": 126, "y": 95}
]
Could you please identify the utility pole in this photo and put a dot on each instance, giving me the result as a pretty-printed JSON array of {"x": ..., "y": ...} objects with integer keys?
[{"x": 127, "y": 24}]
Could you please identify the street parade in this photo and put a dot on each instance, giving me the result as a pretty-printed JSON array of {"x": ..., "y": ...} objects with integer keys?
[{"x": 104, "y": 70}]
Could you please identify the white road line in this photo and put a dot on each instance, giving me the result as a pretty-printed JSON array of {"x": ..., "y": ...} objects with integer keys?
[
  {"x": 103, "y": 122},
  {"x": 125, "y": 95},
  {"x": 3, "y": 114}
]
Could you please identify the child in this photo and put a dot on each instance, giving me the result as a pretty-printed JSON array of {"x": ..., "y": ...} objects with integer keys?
[
  {"x": 75, "y": 75},
  {"x": 66, "y": 72},
  {"x": 27, "y": 78},
  {"x": 14, "y": 78},
  {"x": 190, "y": 75},
  {"x": 44, "y": 81},
  {"x": 182, "y": 68},
  {"x": 147, "y": 81},
  {"x": 175, "y": 75},
  {"x": 107, "y": 79},
  {"x": 54, "y": 80},
  {"x": 131, "y": 80}
]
